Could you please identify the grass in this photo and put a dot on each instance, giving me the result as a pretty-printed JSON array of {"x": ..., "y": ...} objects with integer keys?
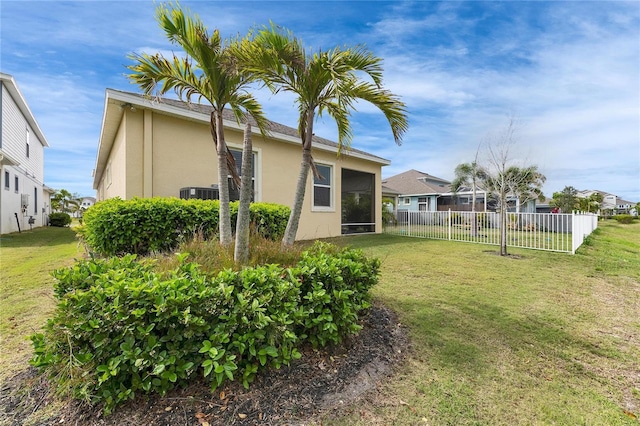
[
  {"x": 26, "y": 261},
  {"x": 536, "y": 338},
  {"x": 541, "y": 338}
]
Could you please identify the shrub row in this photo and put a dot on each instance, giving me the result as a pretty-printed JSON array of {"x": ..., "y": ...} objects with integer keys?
[
  {"x": 144, "y": 225},
  {"x": 120, "y": 328}
]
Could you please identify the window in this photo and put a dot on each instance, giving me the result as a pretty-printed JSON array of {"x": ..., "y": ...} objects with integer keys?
[
  {"x": 407, "y": 201},
  {"x": 234, "y": 191},
  {"x": 27, "y": 139},
  {"x": 422, "y": 204},
  {"x": 16, "y": 184},
  {"x": 7, "y": 185},
  {"x": 322, "y": 192},
  {"x": 35, "y": 200}
]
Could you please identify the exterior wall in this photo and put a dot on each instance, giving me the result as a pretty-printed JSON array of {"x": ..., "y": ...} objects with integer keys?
[
  {"x": 16, "y": 131},
  {"x": 154, "y": 155},
  {"x": 113, "y": 183},
  {"x": 432, "y": 201}
]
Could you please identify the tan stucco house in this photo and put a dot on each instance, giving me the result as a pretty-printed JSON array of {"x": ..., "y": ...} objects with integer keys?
[{"x": 163, "y": 148}]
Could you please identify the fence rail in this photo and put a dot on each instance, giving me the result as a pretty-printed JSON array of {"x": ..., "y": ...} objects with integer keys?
[{"x": 539, "y": 231}]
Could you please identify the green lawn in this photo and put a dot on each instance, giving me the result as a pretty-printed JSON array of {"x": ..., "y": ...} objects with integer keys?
[
  {"x": 26, "y": 292},
  {"x": 538, "y": 338},
  {"x": 541, "y": 338}
]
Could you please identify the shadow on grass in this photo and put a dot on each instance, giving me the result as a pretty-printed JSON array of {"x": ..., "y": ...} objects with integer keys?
[
  {"x": 469, "y": 336},
  {"x": 38, "y": 237},
  {"x": 374, "y": 240}
]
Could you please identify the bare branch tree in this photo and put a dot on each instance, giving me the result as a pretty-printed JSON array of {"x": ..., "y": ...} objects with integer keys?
[{"x": 505, "y": 180}]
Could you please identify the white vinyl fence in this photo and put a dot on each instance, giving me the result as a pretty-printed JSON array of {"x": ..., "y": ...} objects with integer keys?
[{"x": 539, "y": 231}]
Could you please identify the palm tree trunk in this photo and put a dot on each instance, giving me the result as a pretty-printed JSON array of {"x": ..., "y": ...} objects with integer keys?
[
  {"x": 224, "y": 218},
  {"x": 298, "y": 199},
  {"x": 241, "y": 253}
]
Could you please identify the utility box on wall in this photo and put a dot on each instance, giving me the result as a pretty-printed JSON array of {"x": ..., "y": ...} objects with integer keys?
[
  {"x": 24, "y": 202},
  {"x": 201, "y": 193}
]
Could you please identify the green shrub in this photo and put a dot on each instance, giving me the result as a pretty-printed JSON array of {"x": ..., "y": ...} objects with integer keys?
[
  {"x": 122, "y": 328},
  {"x": 335, "y": 288},
  {"x": 59, "y": 219},
  {"x": 144, "y": 225},
  {"x": 624, "y": 218}
]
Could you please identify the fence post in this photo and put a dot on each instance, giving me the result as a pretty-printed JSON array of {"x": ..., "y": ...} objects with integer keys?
[
  {"x": 449, "y": 225},
  {"x": 574, "y": 232}
]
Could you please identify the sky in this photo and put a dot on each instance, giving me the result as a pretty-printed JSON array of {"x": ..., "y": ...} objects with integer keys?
[{"x": 568, "y": 72}]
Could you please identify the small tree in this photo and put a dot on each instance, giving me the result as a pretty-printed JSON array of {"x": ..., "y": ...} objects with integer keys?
[
  {"x": 207, "y": 72},
  {"x": 505, "y": 180},
  {"x": 565, "y": 200},
  {"x": 590, "y": 204},
  {"x": 327, "y": 81},
  {"x": 525, "y": 184},
  {"x": 470, "y": 174},
  {"x": 65, "y": 202}
]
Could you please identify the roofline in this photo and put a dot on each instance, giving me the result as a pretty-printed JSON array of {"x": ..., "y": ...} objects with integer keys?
[
  {"x": 138, "y": 101},
  {"x": 15, "y": 93}
]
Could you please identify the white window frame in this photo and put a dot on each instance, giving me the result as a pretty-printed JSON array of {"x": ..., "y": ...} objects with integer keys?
[
  {"x": 332, "y": 184},
  {"x": 257, "y": 183},
  {"x": 7, "y": 180},
  {"x": 407, "y": 201},
  {"x": 423, "y": 204},
  {"x": 28, "y": 151}
]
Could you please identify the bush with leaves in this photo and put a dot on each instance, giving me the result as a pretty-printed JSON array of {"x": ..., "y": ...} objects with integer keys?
[
  {"x": 144, "y": 225},
  {"x": 335, "y": 288},
  {"x": 624, "y": 218},
  {"x": 59, "y": 219},
  {"x": 122, "y": 328}
]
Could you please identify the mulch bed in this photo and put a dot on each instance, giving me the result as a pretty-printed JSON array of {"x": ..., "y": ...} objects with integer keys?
[{"x": 318, "y": 383}]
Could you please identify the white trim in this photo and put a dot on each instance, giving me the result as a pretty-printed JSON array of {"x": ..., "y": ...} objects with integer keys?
[
  {"x": 332, "y": 189},
  {"x": 9, "y": 82}
]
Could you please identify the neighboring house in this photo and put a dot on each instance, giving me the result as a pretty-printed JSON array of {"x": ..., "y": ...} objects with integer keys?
[
  {"x": 163, "y": 148},
  {"x": 85, "y": 203},
  {"x": 417, "y": 190},
  {"x": 610, "y": 202},
  {"x": 545, "y": 206},
  {"x": 24, "y": 199},
  {"x": 421, "y": 191}
]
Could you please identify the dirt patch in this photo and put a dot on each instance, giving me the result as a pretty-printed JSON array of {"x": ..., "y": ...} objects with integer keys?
[{"x": 321, "y": 381}]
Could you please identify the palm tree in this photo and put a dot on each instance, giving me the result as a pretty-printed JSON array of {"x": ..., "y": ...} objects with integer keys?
[
  {"x": 469, "y": 174},
  {"x": 241, "y": 250},
  {"x": 65, "y": 202},
  {"x": 325, "y": 81},
  {"x": 207, "y": 72},
  {"x": 525, "y": 183}
]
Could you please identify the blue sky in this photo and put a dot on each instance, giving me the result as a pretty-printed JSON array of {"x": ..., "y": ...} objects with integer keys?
[{"x": 568, "y": 71}]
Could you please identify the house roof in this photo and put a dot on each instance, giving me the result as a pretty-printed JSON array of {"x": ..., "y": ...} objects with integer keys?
[
  {"x": 414, "y": 182},
  {"x": 116, "y": 101},
  {"x": 9, "y": 82}
]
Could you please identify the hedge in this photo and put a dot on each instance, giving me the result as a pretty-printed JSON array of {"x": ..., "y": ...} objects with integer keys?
[
  {"x": 144, "y": 225},
  {"x": 121, "y": 329}
]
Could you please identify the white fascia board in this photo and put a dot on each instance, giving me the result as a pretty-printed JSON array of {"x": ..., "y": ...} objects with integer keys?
[{"x": 15, "y": 93}]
